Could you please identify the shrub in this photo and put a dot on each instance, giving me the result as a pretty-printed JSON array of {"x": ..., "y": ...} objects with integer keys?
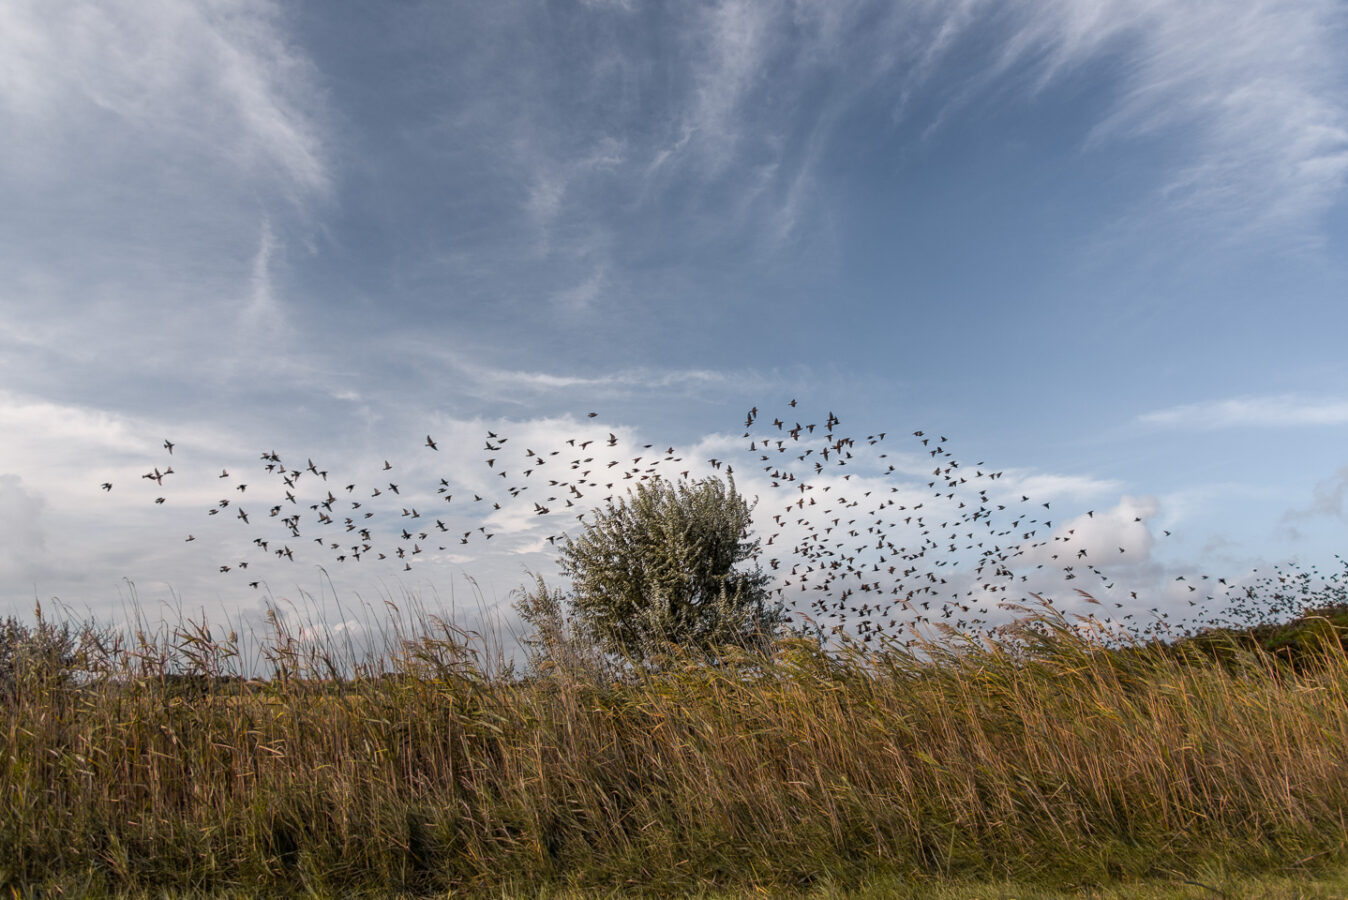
[
  {"x": 43, "y": 654},
  {"x": 662, "y": 569}
]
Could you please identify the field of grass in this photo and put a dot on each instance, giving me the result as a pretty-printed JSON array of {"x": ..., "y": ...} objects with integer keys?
[{"x": 1038, "y": 763}]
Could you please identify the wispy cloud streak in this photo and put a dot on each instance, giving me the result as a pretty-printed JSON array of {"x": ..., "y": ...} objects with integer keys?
[
  {"x": 1251, "y": 412},
  {"x": 218, "y": 80}
]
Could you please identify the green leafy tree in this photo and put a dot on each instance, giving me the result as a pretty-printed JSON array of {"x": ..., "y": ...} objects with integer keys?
[{"x": 663, "y": 568}]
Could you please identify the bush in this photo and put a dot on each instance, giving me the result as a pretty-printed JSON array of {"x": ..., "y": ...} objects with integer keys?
[
  {"x": 553, "y": 647},
  {"x": 42, "y": 655},
  {"x": 658, "y": 570}
]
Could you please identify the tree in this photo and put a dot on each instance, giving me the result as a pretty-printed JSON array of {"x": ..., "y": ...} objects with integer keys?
[{"x": 659, "y": 569}]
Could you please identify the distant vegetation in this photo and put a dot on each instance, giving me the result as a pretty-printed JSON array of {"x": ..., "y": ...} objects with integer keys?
[{"x": 1044, "y": 753}]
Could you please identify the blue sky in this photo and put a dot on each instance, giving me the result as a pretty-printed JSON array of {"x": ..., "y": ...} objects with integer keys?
[{"x": 1100, "y": 245}]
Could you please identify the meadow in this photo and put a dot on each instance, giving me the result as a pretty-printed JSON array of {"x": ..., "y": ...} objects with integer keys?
[{"x": 1039, "y": 760}]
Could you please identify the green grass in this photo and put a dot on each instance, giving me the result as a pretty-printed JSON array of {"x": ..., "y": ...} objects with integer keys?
[{"x": 1039, "y": 764}]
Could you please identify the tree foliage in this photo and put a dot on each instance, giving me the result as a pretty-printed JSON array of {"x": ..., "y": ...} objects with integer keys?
[{"x": 663, "y": 567}]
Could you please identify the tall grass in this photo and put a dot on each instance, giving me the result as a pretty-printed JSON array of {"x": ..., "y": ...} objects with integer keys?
[{"x": 1045, "y": 754}]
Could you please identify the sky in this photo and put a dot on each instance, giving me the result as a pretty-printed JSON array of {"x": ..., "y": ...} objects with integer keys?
[{"x": 1098, "y": 245}]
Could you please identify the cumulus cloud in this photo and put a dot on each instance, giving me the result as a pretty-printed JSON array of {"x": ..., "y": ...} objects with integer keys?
[
  {"x": 1114, "y": 538},
  {"x": 84, "y": 445}
]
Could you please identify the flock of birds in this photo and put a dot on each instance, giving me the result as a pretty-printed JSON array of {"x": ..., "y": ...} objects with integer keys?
[{"x": 855, "y": 535}]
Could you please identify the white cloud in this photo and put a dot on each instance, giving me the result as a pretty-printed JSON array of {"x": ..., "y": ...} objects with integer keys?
[
  {"x": 1328, "y": 499},
  {"x": 624, "y": 5},
  {"x": 732, "y": 43},
  {"x": 146, "y": 141},
  {"x": 218, "y": 80},
  {"x": 262, "y": 310},
  {"x": 23, "y": 536},
  {"x": 1252, "y": 412},
  {"x": 505, "y": 384},
  {"x": 1252, "y": 90},
  {"x": 1251, "y": 94},
  {"x": 69, "y": 450},
  {"x": 1053, "y": 486},
  {"x": 1112, "y": 539},
  {"x": 545, "y": 200},
  {"x": 583, "y": 296},
  {"x": 42, "y": 426},
  {"x": 728, "y": 127}
]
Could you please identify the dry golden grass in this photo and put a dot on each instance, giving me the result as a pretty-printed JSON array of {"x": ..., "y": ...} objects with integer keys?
[{"x": 1048, "y": 758}]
